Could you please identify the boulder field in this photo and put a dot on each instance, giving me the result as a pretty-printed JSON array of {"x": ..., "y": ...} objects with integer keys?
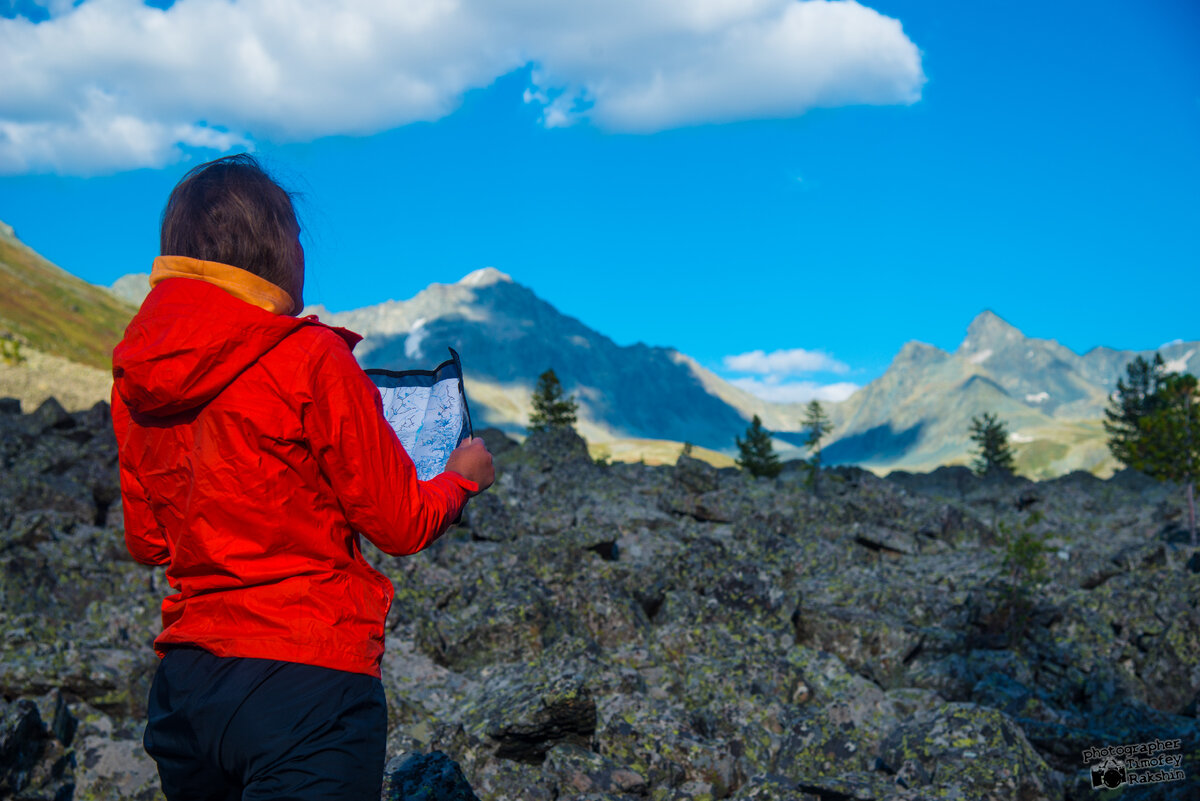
[{"x": 628, "y": 631}]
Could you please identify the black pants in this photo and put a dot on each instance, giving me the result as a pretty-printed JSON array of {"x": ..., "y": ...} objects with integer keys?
[{"x": 237, "y": 728}]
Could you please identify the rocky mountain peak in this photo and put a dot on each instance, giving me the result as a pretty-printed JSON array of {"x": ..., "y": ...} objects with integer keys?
[
  {"x": 485, "y": 276},
  {"x": 7, "y": 232},
  {"x": 914, "y": 352},
  {"x": 133, "y": 287},
  {"x": 989, "y": 332}
]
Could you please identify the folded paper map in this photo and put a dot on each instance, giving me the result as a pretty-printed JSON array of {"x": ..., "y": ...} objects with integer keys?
[{"x": 428, "y": 410}]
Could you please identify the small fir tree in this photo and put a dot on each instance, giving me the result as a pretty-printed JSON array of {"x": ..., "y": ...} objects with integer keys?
[
  {"x": 550, "y": 408},
  {"x": 1136, "y": 398},
  {"x": 817, "y": 423},
  {"x": 990, "y": 436},
  {"x": 1024, "y": 570},
  {"x": 758, "y": 457}
]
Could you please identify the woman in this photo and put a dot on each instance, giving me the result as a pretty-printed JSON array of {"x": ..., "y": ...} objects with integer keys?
[{"x": 253, "y": 453}]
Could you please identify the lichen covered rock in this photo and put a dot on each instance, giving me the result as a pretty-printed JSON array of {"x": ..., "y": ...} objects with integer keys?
[{"x": 976, "y": 748}]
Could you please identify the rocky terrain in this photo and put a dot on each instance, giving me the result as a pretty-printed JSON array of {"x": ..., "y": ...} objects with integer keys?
[
  {"x": 675, "y": 632},
  {"x": 42, "y": 375}
]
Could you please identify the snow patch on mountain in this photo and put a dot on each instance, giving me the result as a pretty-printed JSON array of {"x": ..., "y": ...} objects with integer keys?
[
  {"x": 416, "y": 335},
  {"x": 1178, "y": 365},
  {"x": 1037, "y": 397},
  {"x": 981, "y": 357}
]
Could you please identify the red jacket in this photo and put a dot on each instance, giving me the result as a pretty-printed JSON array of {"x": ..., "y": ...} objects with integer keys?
[{"x": 253, "y": 452}]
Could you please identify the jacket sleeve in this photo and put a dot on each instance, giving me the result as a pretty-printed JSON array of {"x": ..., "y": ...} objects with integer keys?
[
  {"x": 143, "y": 537},
  {"x": 372, "y": 476}
]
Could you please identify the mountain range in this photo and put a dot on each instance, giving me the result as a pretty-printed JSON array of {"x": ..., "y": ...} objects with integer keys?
[
  {"x": 644, "y": 401},
  {"x": 915, "y": 416}
]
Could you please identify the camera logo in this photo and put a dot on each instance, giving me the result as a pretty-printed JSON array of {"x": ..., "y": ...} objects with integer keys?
[{"x": 1109, "y": 774}]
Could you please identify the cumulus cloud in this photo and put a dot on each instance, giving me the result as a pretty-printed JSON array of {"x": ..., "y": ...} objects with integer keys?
[
  {"x": 776, "y": 372},
  {"x": 795, "y": 391},
  {"x": 115, "y": 84},
  {"x": 643, "y": 67},
  {"x": 785, "y": 362}
]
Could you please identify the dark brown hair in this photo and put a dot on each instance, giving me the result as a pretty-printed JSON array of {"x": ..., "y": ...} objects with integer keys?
[{"x": 229, "y": 210}]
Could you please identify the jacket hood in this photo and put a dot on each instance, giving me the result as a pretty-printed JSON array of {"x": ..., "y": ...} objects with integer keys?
[
  {"x": 242, "y": 284},
  {"x": 189, "y": 340}
]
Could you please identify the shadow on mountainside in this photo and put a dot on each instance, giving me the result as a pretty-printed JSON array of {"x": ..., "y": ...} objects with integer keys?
[{"x": 881, "y": 442}]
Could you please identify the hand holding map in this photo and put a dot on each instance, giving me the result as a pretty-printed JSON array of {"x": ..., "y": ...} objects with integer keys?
[
  {"x": 473, "y": 461},
  {"x": 428, "y": 411}
]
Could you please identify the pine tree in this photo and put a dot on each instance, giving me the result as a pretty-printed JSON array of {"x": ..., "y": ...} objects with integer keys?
[
  {"x": 1137, "y": 397},
  {"x": 1167, "y": 446},
  {"x": 817, "y": 423},
  {"x": 550, "y": 408},
  {"x": 758, "y": 457},
  {"x": 991, "y": 438}
]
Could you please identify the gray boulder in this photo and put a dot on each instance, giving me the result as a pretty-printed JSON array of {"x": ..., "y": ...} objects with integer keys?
[{"x": 425, "y": 777}]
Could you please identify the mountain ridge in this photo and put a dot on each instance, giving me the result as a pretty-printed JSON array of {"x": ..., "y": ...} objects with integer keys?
[{"x": 915, "y": 416}]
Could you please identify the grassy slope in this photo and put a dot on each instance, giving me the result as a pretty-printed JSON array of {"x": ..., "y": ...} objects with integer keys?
[{"x": 52, "y": 311}]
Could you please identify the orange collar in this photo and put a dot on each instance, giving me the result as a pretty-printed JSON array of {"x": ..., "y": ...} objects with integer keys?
[{"x": 242, "y": 284}]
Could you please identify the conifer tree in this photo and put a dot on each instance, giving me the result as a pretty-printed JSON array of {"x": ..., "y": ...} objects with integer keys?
[
  {"x": 550, "y": 408},
  {"x": 758, "y": 457},
  {"x": 990, "y": 436},
  {"x": 817, "y": 423},
  {"x": 1137, "y": 397},
  {"x": 1153, "y": 425},
  {"x": 1168, "y": 443}
]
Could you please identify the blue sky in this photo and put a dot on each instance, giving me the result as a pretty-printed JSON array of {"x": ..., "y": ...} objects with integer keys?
[{"x": 1037, "y": 159}]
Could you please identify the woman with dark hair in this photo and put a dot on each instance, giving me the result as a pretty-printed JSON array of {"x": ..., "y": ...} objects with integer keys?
[{"x": 253, "y": 454}]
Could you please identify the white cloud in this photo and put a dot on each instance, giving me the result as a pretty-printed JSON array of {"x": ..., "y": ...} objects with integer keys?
[
  {"x": 785, "y": 362},
  {"x": 795, "y": 391},
  {"x": 635, "y": 66},
  {"x": 115, "y": 84}
]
